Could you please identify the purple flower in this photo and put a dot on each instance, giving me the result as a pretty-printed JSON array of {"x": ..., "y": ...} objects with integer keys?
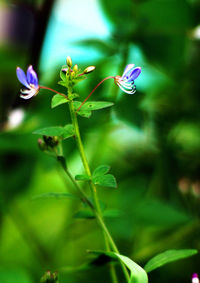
[
  {"x": 126, "y": 81},
  {"x": 30, "y": 82},
  {"x": 195, "y": 278}
]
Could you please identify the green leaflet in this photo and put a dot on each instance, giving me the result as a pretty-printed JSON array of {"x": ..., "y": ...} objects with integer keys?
[
  {"x": 137, "y": 273},
  {"x": 105, "y": 181},
  {"x": 62, "y": 132},
  {"x": 50, "y": 131},
  {"x": 167, "y": 257},
  {"x": 99, "y": 177},
  {"x": 58, "y": 100},
  {"x": 101, "y": 170},
  {"x": 88, "y": 107},
  {"x": 55, "y": 195}
]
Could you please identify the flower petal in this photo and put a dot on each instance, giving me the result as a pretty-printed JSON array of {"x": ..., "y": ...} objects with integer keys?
[
  {"x": 32, "y": 76},
  {"x": 27, "y": 94},
  {"x": 22, "y": 77},
  {"x": 129, "y": 91},
  {"x": 127, "y": 70},
  {"x": 134, "y": 74}
]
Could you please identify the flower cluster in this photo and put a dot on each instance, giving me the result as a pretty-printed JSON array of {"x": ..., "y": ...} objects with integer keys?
[{"x": 126, "y": 82}]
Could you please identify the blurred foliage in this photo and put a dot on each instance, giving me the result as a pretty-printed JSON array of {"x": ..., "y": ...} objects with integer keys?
[{"x": 150, "y": 139}]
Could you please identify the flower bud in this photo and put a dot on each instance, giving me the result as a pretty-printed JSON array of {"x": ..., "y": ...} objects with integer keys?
[
  {"x": 69, "y": 61},
  {"x": 195, "y": 278},
  {"x": 49, "y": 277},
  {"x": 89, "y": 69},
  {"x": 42, "y": 145},
  {"x": 75, "y": 69}
]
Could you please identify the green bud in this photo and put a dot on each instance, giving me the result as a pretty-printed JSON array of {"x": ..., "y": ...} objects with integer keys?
[
  {"x": 69, "y": 61},
  {"x": 75, "y": 69},
  {"x": 50, "y": 277},
  {"x": 89, "y": 69}
]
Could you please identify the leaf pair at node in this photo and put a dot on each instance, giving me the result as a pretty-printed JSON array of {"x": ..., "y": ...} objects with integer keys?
[{"x": 100, "y": 177}]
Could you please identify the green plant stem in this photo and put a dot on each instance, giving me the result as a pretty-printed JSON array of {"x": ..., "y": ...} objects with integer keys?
[
  {"x": 86, "y": 200},
  {"x": 97, "y": 209}
]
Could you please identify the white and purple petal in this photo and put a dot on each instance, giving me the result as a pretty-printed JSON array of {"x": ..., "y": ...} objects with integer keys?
[
  {"x": 127, "y": 70},
  {"x": 32, "y": 77},
  {"x": 28, "y": 93},
  {"x": 195, "y": 278},
  {"x": 22, "y": 77},
  {"x": 134, "y": 74},
  {"x": 129, "y": 90}
]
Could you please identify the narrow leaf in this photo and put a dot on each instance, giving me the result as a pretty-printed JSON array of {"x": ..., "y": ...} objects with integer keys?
[
  {"x": 105, "y": 180},
  {"x": 55, "y": 195},
  {"x": 82, "y": 177},
  {"x": 138, "y": 274},
  {"x": 58, "y": 99},
  {"x": 101, "y": 170},
  {"x": 167, "y": 257}
]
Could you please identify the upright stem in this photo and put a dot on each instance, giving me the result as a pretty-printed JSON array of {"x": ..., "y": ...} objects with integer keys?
[
  {"x": 97, "y": 210},
  {"x": 87, "y": 200}
]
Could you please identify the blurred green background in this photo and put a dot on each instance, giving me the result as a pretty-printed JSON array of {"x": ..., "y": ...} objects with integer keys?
[{"x": 151, "y": 139}]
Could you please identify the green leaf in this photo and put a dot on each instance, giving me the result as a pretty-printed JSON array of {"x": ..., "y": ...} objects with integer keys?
[
  {"x": 85, "y": 114},
  {"x": 96, "y": 105},
  {"x": 138, "y": 274},
  {"x": 168, "y": 256},
  {"x": 82, "y": 177},
  {"x": 64, "y": 132},
  {"x": 50, "y": 131},
  {"x": 68, "y": 131},
  {"x": 101, "y": 170},
  {"x": 63, "y": 74},
  {"x": 105, "y": 180},
  {"x": 55, "y": 196},
  {"x": 58, "y": 100},
  {"x": 88, "y": 107},
  {"x": 62, "y": 83}
]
